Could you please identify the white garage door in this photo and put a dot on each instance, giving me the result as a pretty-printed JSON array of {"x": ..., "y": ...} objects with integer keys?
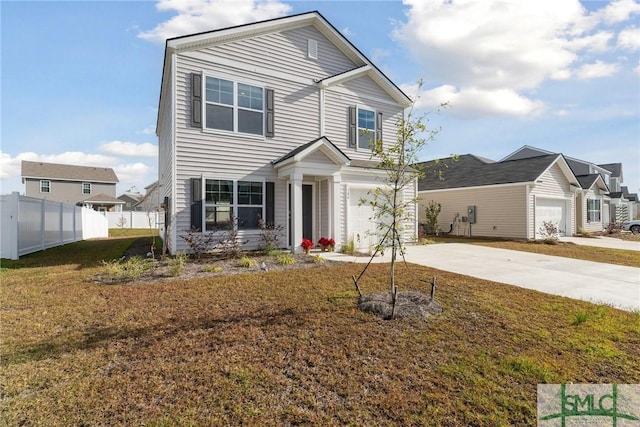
[
  {"x": 553, "y": 210},
  {"x": 360, "y": 227}
]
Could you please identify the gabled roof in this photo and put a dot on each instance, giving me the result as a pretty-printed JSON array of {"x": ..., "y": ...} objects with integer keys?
[
  {"x": 614, "y": 168},
  {"x": 225, "y": 35},
  {"x": 589, "y": 181},
  {"x": 579, "y": 167},
  {"x": 322, "y": 144},
  {"x": 40, "y": 170},
  {"x": 473, "y": 171}
]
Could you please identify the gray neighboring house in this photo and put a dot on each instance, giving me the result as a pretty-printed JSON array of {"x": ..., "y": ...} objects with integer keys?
[
  {"x": 273, "y": 120},
  {"x": 510, "y": 199},
  {"x": 89, "y": 186},
  {"x": 131, "y": 201},
  {"x": 612, "y": 202}
]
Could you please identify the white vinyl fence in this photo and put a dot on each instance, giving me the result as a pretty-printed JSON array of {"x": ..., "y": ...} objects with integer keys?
[
  {"x": 130, "y": 219},
  {"x": 31, "y": 225}
]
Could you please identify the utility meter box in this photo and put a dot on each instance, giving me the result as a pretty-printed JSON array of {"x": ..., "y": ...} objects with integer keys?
[{"x": 471, "y": 214}]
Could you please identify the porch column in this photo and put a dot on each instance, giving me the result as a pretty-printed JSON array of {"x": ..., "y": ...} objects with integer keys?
[
  {"x": 296, "y": 212},
  {"x": 334, "y": 212}
]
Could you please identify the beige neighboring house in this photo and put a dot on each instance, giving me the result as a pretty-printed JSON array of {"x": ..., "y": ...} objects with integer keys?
[
  {"x": 90, "y": 186},
  {"x": 510, "y": 199}
]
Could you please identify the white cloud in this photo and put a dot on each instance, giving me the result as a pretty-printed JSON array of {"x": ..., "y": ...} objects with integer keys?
[
  {"x": 619, "y": 11},
  {"x": 473, "y": 102},
  {"x": 629, "y": 39},
  {"x": 194, "y": 16},
  {"x": 149, "y": 130},
  {"x": 597, "y": 69},
  {"x": 130, "y": 149},
  {"x": 132, "y": 173},
  {"x": 495, "y": 51}
]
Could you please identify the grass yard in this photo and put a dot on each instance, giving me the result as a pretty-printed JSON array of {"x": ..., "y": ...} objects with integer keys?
[{"x": 287, "y": 348}]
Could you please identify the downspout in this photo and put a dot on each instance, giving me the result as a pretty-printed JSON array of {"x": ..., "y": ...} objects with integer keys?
[
  {"x": 174, "y": 160},
  {"x": 528, "y": 205}
]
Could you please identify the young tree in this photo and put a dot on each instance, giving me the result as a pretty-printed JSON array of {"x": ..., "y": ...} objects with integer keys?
[{"x": 399, "y": 162}]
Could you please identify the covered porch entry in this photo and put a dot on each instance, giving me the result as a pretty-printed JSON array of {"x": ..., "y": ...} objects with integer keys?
[{"x": 314, "y": 189}]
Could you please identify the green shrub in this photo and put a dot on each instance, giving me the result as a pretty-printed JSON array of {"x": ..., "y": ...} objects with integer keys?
[
  {"x": 317, "y": 259},
  {"x": 286, "y": 259},
  {"x": 349, "y": 248},
  {"x": 246, "y": 262},
  {"x": 177, "y": 264},
  {"x": 129, "y": 270}
]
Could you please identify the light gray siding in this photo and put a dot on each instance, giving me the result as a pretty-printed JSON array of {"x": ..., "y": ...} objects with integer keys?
[
  {"x": 276, "y": 61},
  {"x": 581, "y": 210}
]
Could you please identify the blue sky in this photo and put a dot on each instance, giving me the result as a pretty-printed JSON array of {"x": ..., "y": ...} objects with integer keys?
[{"x": 80, "y": 80}]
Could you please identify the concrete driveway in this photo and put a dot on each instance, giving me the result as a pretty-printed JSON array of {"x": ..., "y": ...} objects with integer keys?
[
  {"x": 616, "y": 285},
  {"x": 603, "y": 242}
]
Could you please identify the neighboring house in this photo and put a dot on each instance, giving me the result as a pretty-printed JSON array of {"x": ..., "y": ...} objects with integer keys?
[
  {"x": 93, "y": 187},
  {"x": 615, "y": 206},
  {"x": 510, "y": 199},
  {"x": 151, "y": 201},
  {"x": 273, "y": 120},
  {"x": 131, "y": 201}
]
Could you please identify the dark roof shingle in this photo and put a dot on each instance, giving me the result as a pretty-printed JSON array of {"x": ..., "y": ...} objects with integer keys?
[{"x": 473, "y": 171}]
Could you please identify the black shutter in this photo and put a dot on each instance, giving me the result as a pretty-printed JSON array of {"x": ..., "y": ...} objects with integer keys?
[
  {"x": 353, "y": 127},
  {"x": 196, "y": 100},
  {"x": 379, "y": 127},
  {"x": 196, "y": 204},
  {"x": 270, "y": 207},
  {"x": 270, "y": 110}
]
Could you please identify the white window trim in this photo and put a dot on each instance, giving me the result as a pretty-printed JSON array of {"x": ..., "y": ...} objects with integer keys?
[
  {"x": 49, "y": 186},
  {"x": 235, "y": 107},
  {"x": 375, "y": 118},
  {"x": 234, "y": 205},
  {"x": 82, "y": 189}
]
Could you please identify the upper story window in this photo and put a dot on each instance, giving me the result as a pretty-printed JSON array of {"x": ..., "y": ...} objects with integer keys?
[
  {"x": 45, "y": 186},
  {"x": 366, "y": 128},
  {"x": 86, "y": 188},
  {"x": 233, "y": 106}
]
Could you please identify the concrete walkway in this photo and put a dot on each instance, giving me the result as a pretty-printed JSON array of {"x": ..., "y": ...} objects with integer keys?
[{"x": 616, "y": 285}]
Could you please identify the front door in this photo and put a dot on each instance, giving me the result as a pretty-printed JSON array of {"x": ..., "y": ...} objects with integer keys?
[{"x": 307, "y": 212}]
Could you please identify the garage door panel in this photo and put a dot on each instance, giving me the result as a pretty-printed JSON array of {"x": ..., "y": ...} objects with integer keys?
[
  {"x": 362, "y": 228},
  {"x": 551, "y": 210}
]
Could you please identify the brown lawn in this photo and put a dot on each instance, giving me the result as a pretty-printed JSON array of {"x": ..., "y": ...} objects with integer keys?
[{"x": 287, "y": 348}]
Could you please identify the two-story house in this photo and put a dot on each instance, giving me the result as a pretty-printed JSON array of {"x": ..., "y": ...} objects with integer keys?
[
  {"x": 273, "y": 120},
  {"x": 93, "y": 187}
]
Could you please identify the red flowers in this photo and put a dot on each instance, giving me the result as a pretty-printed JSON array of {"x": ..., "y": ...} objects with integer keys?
[
  {"x": 326, "y": 242},
  {"x": 306, "y": 244}
]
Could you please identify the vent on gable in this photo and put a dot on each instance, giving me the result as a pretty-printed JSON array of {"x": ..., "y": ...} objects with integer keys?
[{"x": 312, "y": 49}]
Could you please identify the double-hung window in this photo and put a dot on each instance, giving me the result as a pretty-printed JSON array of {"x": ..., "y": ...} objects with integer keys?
[
  {"x": 233, "y": 106},
  {"x": 228, "y": 199},
  {"x": 593, "y": 210},
  {"x": 366, "y": 128},
  {"x": 45, "y": 186},
  {"x": 86, "y": 188}
]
